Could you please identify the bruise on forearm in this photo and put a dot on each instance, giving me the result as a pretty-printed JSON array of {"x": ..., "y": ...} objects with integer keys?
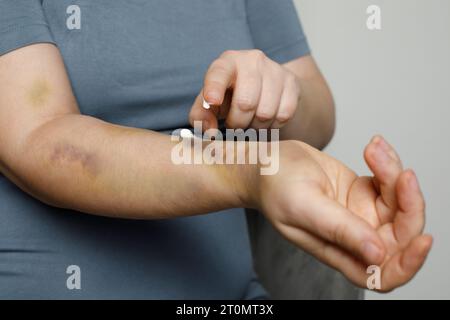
[
  {"x": 83, "y": 155},
  {"x": 66, "y": 154},
  {"x": 39, "y": 93},
  {"x": 58, "y": 172}
]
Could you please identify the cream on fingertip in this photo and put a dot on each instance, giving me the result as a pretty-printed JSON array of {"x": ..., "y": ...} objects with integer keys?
[{"x": 206, "y": 105}]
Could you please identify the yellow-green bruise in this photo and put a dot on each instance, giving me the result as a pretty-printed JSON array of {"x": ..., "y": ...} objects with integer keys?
[{"x": 39, "y": 93}]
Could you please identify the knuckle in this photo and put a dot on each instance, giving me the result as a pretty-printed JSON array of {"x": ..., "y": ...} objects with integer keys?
[
  {"x": 263, "y": 116},
  {"x": 213, "y": 84},
  {"x": 219, "y": 65},
  {"x": 339, "y": 233},
  {"x": 275, "y": 69},
  {"x": 258, "y": 58},
  {"x": 257, "y": 54},
  {"x": 245, "y": 103},
  {"x": 284, "y": 117}
]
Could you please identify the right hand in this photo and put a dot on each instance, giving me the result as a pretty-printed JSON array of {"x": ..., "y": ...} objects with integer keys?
[{"x": 346, "y": 221}]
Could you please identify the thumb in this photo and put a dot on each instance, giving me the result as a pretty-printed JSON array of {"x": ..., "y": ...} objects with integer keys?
[
  {"x": 201, "y": 111},
  {"x": 336, "y": 224}
]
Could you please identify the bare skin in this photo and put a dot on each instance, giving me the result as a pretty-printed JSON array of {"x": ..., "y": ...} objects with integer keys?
[
  {"x": 327, "y": 193},
  {"x": 249, "y": 90},
  {"x": 74, "y": 161}
]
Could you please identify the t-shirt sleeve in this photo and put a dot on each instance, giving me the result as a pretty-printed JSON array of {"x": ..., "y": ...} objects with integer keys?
[
  {"x": 276, "y": 29},
  {"x": 22, "y": 22}
]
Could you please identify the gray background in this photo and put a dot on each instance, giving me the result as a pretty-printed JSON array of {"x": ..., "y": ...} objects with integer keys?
[{"x": 395, "y": 81}]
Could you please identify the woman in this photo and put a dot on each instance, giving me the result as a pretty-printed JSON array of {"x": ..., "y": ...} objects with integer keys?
[{"x": 85, "y": 89}]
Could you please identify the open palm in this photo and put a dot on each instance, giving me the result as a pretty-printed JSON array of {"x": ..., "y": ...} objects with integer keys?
[{"x": 335, "y": 211}]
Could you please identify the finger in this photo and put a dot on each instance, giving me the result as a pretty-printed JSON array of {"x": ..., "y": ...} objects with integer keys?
[
  {"x": 207, "y": 117},
  {"x": 361, "y": 199},
  {"x": 272, "y": 89},
  {"x": 289, "y": 102},
  {"x": 404, "y": 265},
  {"x": 385, "y": 164},
  {"x": 410, "y": 219},
  {"x": 246, "y": 95},
  {"x": 224, "y": 108},
  {"x": 219, "y": 77},
  {"x": 326, "y": 218}
]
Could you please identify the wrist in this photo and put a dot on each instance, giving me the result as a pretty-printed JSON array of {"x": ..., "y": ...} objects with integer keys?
[{"x": 240, "y": 180}]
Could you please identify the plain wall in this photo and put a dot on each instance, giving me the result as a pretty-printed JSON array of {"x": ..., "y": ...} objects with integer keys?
[{"x": 396, "y": 82}]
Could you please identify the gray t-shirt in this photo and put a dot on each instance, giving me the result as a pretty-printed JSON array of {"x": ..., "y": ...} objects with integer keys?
[{"x": 138, "y": 63}]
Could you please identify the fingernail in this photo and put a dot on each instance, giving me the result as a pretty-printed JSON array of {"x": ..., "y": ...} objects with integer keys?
[
  {"x": 387, "y": 148},
  {"x": 376, "y": 139},
  {"x": 212, "y": 97},
  {"x": 381, "y": 153},
  {"x": 384, "y": 150},
  {"x": 371, "y": 252}
]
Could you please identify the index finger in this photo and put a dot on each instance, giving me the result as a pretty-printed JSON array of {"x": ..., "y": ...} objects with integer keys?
[{"x": 219, "y": 77}]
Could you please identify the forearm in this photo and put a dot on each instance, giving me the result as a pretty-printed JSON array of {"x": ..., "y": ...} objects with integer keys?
[
  {"x": 314, "y": 120},
  {"x": 85, "y": 164}
]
